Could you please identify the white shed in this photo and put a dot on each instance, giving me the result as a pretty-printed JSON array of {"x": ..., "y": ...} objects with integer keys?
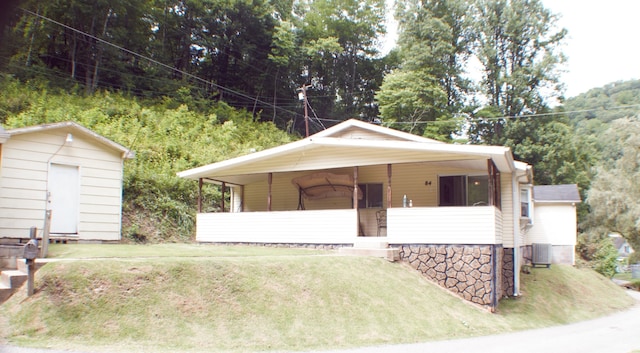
[
  {"x": 68, "y": 169},
  {"x": 555, "y": 220}
]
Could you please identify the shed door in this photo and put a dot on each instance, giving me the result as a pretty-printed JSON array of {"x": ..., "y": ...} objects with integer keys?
[{"x": 64, "y": 198}]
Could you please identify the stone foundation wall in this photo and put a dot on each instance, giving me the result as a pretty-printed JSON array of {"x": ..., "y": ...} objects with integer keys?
[
  {"x": 466, "y": 270},
  {"x": 290, "y": 245},
  {"x": 507, "y": 272}
]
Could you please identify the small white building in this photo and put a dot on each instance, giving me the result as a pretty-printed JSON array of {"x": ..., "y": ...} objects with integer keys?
[
  {"x": 555, "y": 220},
  {"x": 68, "y": 169}
]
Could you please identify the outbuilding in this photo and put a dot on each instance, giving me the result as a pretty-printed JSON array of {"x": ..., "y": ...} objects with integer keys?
[
  {"x": 64, "y": 168},
  {"x": 555, "y": 220}
]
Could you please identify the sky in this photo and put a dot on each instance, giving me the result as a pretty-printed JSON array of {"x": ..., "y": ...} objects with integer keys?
[
  {"x": 602, "y": 46},
  {"x": 603, "y": 43}
]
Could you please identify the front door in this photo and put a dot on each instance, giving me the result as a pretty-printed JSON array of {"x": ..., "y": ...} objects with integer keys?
[{"x": 64, "y": 196}]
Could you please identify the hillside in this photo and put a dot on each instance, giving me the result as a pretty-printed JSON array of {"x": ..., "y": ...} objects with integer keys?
[
  {"x": 613, "y": 101},
  {"x": 168, "y": 135},
  {"x": 254, "y": 299}
]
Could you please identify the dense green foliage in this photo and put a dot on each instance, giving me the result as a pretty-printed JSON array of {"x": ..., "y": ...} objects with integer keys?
[
  {"x": 250, "y": 54},
  {"x": 167, "y": 135}
]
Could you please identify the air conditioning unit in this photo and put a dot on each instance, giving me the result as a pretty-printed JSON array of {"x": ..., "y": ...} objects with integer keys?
[{"x": 542, "y": 254}]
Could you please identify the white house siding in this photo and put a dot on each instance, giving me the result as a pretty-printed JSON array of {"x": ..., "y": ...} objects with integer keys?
[
  {"x": 355, "y": 133},
  {"x": 26, "y": 160},
  {"x": 443, "y": 225},
  {"x": 555, "y": 223},
  {"x": 287, "y": 227},
  {"x": 507, "y": 210}
]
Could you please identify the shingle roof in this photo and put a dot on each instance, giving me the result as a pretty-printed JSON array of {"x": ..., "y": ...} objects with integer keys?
[{"x": 556, "y": 193}]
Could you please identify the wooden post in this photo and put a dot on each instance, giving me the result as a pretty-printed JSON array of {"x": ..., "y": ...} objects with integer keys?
[
  {"x": 223, "y": 188},
  {"x": 31, "y": 262},
  {"x": 269, "y": 181},
  {"x": 355, "y": 187},
  {"x": 200, "y": 195},
  {"x": 389, "y": 186},
  {"x": 44, "y": 248}
]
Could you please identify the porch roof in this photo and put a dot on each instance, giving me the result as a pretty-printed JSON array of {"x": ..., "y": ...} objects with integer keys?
[{"x": 322, "y": 151}]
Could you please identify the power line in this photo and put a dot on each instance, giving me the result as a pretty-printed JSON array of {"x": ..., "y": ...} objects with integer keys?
[{"x": 211, "y": 83}]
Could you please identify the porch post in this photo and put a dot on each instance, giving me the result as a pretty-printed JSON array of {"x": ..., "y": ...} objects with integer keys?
[
  {"x": 388, "y": 185},
  {"x": 200, "y": 195},
  {"x": 491, "y": 183},
  {"x": 223, "y": 187},
  {"x": 242, "y": 198},
  {"x": 269, "y": 181},
  {"x": 355, "y": 188}
]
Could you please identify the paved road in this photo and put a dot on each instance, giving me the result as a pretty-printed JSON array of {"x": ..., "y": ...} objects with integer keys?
[{"x": 618, "y": 333}]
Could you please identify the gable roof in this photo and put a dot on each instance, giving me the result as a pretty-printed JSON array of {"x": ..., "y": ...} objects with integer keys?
[
  {"x": 556, "y": 193},
  {"x": 77, "y": 129},
  {"x": 350, "y": 143}
]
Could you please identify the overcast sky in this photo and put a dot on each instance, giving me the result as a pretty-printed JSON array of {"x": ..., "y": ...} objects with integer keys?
[{"x": 603, "y": 44}]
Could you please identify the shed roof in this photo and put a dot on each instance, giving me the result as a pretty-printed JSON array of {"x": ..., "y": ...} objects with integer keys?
[
  {"x": 556, "y": 193},
  {"x": 77, "y": 129},
  {"x": 333, "y": 148}
]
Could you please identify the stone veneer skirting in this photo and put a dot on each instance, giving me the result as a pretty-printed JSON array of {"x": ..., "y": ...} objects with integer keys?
[
  {"x": 507, "y": 272},
  {"x": 466, "y": 270}
]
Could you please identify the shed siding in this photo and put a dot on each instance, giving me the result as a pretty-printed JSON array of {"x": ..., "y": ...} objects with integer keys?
[
  {"x": 553, "y": 223},
  {"x": 302, "y": 227},
  {"x": 25, "y": 163}
]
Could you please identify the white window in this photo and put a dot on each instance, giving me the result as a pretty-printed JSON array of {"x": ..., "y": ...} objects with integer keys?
[
  {"x": 525, "y": 203},
  {"x": 463, "y": 190}
]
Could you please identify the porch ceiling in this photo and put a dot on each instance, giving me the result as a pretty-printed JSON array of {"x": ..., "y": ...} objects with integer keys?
[{"x": 318, "y": 153}]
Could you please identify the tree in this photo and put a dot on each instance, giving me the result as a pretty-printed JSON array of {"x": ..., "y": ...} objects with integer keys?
[
  {"x": 615, "y": 188},
  {"x": 428, "y": 89},
  {"x": 517, "y": 46},
  {"x": 339, "y": 40}
]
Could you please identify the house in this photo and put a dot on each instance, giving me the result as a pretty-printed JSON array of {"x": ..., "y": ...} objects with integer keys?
[
  {"x": 555, "y": 220},
  {"x": 67, "y": 169},
  {"x": 622, "y": 246},
  {"x": 452, "y": 211}
]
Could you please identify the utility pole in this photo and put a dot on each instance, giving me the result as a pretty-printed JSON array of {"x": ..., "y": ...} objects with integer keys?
[{"x": 303, "y": 97}]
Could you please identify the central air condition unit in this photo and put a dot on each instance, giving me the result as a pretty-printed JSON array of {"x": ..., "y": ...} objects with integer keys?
[{"x": 542, "y": 254}]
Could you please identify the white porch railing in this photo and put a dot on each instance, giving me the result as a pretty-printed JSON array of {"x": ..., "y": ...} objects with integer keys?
[
  {"x": 417, "y": 225},
  {"x": 290, "y": 227},
  {"x": 444, "y": 225}
]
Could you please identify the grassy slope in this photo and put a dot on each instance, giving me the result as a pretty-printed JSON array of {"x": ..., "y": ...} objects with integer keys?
[{"x": 267, "y": 301}]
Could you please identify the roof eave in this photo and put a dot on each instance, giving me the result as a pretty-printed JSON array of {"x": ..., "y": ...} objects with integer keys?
[{"x": 125, "y": 152}]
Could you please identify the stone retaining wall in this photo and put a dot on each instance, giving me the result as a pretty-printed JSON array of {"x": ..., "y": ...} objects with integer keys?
[{"x": 467, "y": 270}]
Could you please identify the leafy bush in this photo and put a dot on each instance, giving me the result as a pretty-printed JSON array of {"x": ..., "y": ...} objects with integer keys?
[
  {"x": 634, "y": 258},
  {"x": 599, "y": 252}
]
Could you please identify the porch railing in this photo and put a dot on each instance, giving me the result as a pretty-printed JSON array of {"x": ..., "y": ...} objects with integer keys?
[
  {"x": 444, "y": 225},
  {"x": 417, "y": 225},
  {"x": 289, "y": 227}
]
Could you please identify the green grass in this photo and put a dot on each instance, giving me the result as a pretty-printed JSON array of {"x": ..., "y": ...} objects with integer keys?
[
  {"x": 86, "y": 251},
  {"x": 626, "y": 276},
  {"x": 255, "y": 299}
]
